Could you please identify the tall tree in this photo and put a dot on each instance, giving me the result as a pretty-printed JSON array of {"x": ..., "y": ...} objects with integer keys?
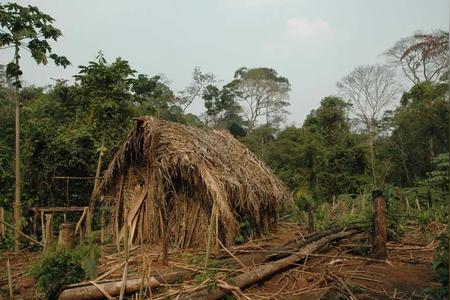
[
  {"x": 195, "y": 89},
  {"x": 418, "y": 131},
  {"x": 29, "y": 29},
  {"x": 105, "y": 93},
  {"x": 422, "y": 56},
  {"x": 222, "y": 109},
  {"x": 265, "y": 93},
  {"x": 370, "y": 89}
]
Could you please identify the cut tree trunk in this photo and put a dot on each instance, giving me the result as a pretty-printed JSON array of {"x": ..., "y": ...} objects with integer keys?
[
  {"x": 66, "y": 235},
  {"x": 379, "y": 232},
  {"x": 113, "y": 288},
  {"x": 266, "y": 270}
]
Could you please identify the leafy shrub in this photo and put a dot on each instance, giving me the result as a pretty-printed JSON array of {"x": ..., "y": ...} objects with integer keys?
[
  {"x": 245, "y": 231},
  {"x": 7, "y": 241},
  {"x": 58, "y": 267},
  {"x": 440, "y": 264}
]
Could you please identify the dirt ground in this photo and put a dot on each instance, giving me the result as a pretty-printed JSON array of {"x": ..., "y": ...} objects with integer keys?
[{"x": 338, "y": 271}]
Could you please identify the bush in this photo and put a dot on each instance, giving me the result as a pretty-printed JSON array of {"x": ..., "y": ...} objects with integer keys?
[
  {"x": 58, "y": 267},
  {"x": 440, "y": 264}
]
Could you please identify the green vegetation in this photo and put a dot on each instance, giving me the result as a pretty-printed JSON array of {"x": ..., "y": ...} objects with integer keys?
[
  {"x": 57, "y": 267},
  {"x": 372, "y": 136}
]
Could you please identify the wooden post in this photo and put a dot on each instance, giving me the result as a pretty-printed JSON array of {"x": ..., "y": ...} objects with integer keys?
[
  {"x": 2, "y": 218},
  {"x": 66, "y": 235},
  {"x": 407, "y": 205},
  {"x": 48, "y": 230},
  {"x": 418, "y": 204},
  {"x": 125, "y": 269},
  {"x": 10, "y": 285},
  {"x": 42, "y": 228},
  {"x": 35, "y": 220},
  {"x": 379, "y": 226},
  {"x": 311, "y": 220}
]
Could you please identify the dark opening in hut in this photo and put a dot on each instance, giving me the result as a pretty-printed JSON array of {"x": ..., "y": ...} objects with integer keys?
[{"x": 171, "y": 176}]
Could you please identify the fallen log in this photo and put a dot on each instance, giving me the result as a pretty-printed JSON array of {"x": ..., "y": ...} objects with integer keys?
[
  {"x": 89, "y": 291},
  {"x": 264, "y": 271},
  {"x": 276, "y": 252},
  {"x": 113, "y": 288}
]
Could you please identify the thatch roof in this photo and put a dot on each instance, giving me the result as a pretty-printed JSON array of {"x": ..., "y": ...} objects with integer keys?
[{"x": 204, "y": 165}]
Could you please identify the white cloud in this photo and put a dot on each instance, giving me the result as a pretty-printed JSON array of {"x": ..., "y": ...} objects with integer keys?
[{"x": 299, "y": 30}]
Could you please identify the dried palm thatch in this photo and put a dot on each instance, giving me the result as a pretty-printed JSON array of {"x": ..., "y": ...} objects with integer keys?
[{"x": 173, "y": 175}]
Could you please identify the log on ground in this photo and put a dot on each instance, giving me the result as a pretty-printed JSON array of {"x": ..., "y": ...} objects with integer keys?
[{"x": 113, "y": 288}]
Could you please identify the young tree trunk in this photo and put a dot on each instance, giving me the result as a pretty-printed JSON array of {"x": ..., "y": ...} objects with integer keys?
[
  {"x": 372, "y": 156},
  {"x": 18, "y": 197}
]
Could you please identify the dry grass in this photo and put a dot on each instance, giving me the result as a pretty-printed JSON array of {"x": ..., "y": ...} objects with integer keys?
[{"x": 182, "y": 171}]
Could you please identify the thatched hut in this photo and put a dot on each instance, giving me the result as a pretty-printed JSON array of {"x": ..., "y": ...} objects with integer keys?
[{"x": 169, "y": 180}]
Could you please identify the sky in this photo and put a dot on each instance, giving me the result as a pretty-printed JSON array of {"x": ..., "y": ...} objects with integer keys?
[{"x": 314, "y": 43}]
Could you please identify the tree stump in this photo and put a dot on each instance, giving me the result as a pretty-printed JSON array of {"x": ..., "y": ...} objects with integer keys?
[
  {"x": 379, "y": 226},
  {"x": 66, "y": 235}
]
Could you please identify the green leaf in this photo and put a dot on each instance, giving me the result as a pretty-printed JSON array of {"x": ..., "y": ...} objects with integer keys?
[{"x": 89, "y": 265}]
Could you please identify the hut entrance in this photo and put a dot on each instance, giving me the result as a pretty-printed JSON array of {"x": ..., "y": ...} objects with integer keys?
[{"x": 145, "y": 206}]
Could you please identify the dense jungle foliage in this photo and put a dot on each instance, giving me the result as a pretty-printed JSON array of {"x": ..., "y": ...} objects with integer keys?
[{"x": 372, "y": 134}]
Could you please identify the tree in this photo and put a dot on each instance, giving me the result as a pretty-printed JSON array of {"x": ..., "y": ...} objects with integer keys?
[
  {"x": 370, "y": 89},
  {"x": 333, "y": 160},
  {"x": 422, "y": 56},
  {"x": 265, "y": 93},
  {"x": 195, "y": 89},
  {"x": 106, "y": 98},
  {"x": 418, "y": 131},
  {"x": 222, "y": 109},
  {"x": 29, "y": 29}
]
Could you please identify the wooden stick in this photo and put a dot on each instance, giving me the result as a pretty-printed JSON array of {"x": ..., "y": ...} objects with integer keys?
[
  {"x": 48, "y": 230},
  {"x": 232, "y": 255},
  {"x": 42, "y": 228},
  {"x": 23, "y": 234},
  {"x": 418, "y": 204},
  {"x": 58, "y": 209},
  {"x": 163, "y": 235},
  {"x": 125, "y": 269},
  {"x": 77, "y": 227},
  {"x": 116, "y": 214},
  {"x": 210, "y": 233},
  {"x": 10, "y": 286}
]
